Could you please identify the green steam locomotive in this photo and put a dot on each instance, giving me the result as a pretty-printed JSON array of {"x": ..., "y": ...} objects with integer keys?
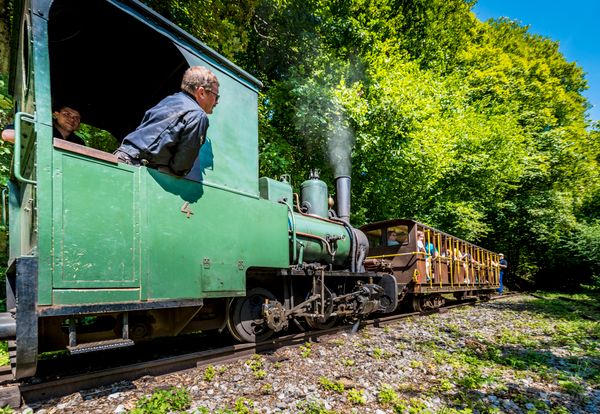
[{"x": 104, "y": 254}]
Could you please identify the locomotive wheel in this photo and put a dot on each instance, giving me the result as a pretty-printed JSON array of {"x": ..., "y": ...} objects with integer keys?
[
  {"x": 245, "y": 321},
  {"x": 417, "y": 303},
  {"x": 421, "y": 303}
]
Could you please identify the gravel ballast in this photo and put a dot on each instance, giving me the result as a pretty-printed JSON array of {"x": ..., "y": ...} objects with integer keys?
[{"x": 513, "y": 355}]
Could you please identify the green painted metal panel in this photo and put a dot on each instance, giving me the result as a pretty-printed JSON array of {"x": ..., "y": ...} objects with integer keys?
[
  {"x": 14, "y": 220},
  {"x": 223, "y": 277},
  {"x": 315, "y": 197},
  {"x": 96, "y": 242},
  {"x": 41, "y": 103},
  {"x": 87, "y": 296},
  {"x": 274, "y": 190},
  {"x": 229, "y": 157},
  {"x": 200, "y": 240}
]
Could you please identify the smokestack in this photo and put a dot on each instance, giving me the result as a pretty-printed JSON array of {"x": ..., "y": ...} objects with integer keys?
[{"x": 342, "y": 185}]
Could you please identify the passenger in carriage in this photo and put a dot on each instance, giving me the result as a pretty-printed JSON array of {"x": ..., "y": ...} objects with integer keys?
[
  {"x": 457, "y": 255},
  {"x": 392, "y": 238},
  {"x": 430, "y": 251}
]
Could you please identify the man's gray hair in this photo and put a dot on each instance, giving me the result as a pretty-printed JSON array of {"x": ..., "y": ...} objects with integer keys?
[{"x": 196, "y": 77}]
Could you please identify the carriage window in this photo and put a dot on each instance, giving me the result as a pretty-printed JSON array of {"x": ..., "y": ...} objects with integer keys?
[
  {"x": 374, "y": 237},
  {"x": 397, "y": 235}
]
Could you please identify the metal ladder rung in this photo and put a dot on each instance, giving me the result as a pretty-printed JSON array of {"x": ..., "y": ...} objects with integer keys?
[{"x": 100, "y": 346}]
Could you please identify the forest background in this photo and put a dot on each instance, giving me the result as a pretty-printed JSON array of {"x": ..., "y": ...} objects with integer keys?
[{"x": 476, "y": 128}]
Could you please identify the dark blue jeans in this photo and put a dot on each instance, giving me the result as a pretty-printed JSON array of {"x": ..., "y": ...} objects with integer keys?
[{"x": 501, "y": 288}]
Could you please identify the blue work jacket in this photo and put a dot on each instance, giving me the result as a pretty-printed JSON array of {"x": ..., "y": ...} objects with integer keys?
[{"x": 170, "y": 135}]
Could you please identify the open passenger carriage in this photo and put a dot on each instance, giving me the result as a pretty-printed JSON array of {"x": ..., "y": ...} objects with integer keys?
[{"x": 442, "y": 264}]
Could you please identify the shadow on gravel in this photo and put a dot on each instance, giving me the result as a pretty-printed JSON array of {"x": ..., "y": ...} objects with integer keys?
[
  {"x": 563, "y": 351},
  {"x": 572, "y": 379},
  {"x": 518, "y": 397},
  {"x": 539, "y": 361},
  {"x": 585, "y": 307}
]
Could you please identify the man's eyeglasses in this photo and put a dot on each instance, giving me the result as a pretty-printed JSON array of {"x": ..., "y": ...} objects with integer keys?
[{"x": 217, "y": 96}]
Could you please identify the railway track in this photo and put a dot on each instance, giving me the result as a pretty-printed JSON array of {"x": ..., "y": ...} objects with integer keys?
[{"x": 13, "y": 393}]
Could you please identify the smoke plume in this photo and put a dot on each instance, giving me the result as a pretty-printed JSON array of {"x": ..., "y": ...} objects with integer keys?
[{"x": 340, "y": 140}]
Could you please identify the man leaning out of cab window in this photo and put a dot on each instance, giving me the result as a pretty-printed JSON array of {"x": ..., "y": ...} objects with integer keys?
[{"x": 172, "y": 132}]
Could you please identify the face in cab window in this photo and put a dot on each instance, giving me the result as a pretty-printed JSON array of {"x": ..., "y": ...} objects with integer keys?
[{"x": 397, "y": 235}]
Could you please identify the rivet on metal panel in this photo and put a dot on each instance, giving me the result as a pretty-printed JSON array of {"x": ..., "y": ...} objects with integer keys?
[
  {"x": 206, "y": 263},
  {"x": 29, "y": 204},
  {"x": 241, "y": 265},
  {"x": 186, "y": 209}
]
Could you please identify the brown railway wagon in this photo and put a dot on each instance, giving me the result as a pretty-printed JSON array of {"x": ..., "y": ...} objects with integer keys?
[{"x": 440, "y": 263}]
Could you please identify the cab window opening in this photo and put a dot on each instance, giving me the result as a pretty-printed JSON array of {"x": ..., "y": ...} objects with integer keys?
[
  {"x": 374, "y": 237},
  {"x": 110, "y": 73},
  {"x": 397, "y": 235}
]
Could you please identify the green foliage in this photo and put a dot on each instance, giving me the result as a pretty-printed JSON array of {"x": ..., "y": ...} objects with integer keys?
[
  {"x": 386, "y": 395},
  {"x": 98, "y": 138},
  {"x": 356, "y": 397},
  {"x": 329, "y": 385},
  {"x": 256, "y": 364},
  {"x": 163, "y": 402},
  {"x": 378, "y": 353},
  {"x": 313, "y": 407},
  {"x": 6, "y": 410},
  {"x": 243, "y": 406},
  {"x": 306, "y": 349},
  {"x": 4, "y": 358},
  {"x": 266, "y": 389},
  {"x": 6, "y": 110},
  {"x": 209, "y": 373},
  {"x": 222, "y": 25},
  {"x": 572, "y": 387},
  {"x": 348, "y": 362},
  {"x": 473, "y": 379}
]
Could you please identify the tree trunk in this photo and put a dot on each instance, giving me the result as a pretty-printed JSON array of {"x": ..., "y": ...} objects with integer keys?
[{"x": 5, "y": 26}]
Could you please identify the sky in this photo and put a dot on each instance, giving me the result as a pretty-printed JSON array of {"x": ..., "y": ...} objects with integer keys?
[{"x": 574, "y": 24}]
